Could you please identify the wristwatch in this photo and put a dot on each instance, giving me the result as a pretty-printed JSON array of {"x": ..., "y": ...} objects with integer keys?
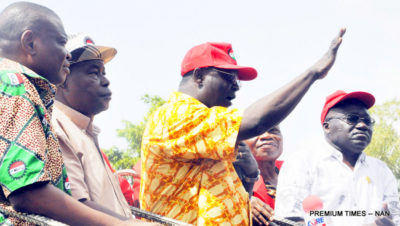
[{"x": 251, "y": 179}]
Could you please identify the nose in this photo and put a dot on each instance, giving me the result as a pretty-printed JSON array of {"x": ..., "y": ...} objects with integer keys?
[
  {"x": 69, "y": 56},
  {"x": 265, "y": 136},
  {"x": 362, "y": 125},
  {"x": 104, "y": 81},
  {"x": 235, "y": 86}
]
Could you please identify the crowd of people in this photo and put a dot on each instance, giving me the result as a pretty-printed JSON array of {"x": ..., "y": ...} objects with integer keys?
[{"x": 202, "y": 163}]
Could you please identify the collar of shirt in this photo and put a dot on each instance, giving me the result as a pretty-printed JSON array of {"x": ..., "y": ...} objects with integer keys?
[
  {"x": 79, "y": 119},
  {"x": 45, "y": 89},
  {"x": 181, "y": 97},
  {"x": 339, "y": 156}
]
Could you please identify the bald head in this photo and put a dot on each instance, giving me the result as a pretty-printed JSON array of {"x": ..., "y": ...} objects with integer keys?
[
  {"x": 34, "y": 36},
  {"x": 17, "y": 18}
]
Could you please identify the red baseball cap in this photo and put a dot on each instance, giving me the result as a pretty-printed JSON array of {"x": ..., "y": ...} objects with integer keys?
[
  {"x": 340, "y": 95},
  {"x": 213, "y": 54}
]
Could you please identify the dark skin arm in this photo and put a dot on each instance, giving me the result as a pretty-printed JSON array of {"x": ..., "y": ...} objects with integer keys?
[
  {"x": 272, "y": 109},
  {"x": 59, "y": 206},
  {"x": 103, "y": 209}
]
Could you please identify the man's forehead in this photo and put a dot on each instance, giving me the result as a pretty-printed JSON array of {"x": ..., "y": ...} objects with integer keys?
[
  {"x": 95, "y": 63},
  {"x": 53, "y": 26}
]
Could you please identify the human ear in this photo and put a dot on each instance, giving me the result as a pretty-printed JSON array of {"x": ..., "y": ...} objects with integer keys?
[
  {"x": 325, "y": 127},
  {"x": 27, "y": 42},
  {"x": 198, "y": 77}
]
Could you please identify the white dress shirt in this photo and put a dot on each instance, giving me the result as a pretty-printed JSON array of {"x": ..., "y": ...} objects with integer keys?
[{"x": 366, "y": 188}]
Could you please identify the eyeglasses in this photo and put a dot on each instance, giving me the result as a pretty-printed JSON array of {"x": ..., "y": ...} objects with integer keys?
[
  {"x": 352, "y": 119},
  {"x": 230, "y": 77}
]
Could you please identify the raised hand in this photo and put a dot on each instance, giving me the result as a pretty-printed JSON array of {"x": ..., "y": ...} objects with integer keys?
[{"x": 323, "y": 65}]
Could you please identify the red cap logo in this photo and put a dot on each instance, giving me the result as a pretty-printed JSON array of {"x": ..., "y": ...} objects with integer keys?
[
  {"x": 15, "y": 78},
  {"x": 17, "y": 169},
  {"x": 89, "y": 41},
  {"x": 230, "y": 52},
  {"x": 67, "y": 185}
]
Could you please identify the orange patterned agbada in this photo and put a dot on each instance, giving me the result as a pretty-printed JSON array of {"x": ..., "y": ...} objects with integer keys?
[{"x": 187, "y": 171}]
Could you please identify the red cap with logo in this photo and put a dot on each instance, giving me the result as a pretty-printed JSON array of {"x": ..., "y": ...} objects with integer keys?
[
  {"x": 213, "y": 54},
  {"x": 340, "y": 95}
]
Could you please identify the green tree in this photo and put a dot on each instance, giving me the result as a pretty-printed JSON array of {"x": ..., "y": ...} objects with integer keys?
[
  {"x": 120, "y": 159},
  {"x": 125, "y": 159},
  {"x": 385, "y": 144}
]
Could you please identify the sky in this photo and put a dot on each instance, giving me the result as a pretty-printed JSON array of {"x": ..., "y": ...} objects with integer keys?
[{"x": 281, "y": 39}]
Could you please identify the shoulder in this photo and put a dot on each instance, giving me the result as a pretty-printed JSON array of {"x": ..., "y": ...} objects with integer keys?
[
  {"x": 377, "y": 164},
  {"x": 16, "y": 99},
  {"x": 64, "y": 127},
  {"x": 189, "y": 110},
  {"x": 375, "y": 161},
  {"x": 227, "y": 113},
  {"x": 57, "y": 119},
  {"x": 13, "y": 83}
]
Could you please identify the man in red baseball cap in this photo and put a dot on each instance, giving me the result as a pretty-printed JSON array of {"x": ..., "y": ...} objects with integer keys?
[
  {"x": 354, "y": 181},
  {"x": 189, "y": 143}
]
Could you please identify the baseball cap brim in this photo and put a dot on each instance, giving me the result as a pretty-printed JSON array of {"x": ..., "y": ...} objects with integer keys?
[
  {"x": 244, "y": 73},
  {"x": 107, "y": 53},
  {"x": 93, "y": 52}
]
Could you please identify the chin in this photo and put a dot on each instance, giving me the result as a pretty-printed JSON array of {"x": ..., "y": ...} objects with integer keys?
[
  {"x": 60, "y": 79},
  {"x": 265, "y": 157},
  {"x": 361, "y": 145},
  {"x": 63, "y": 78},
  {"x": 101, "y": 107},
  {"x": 227, "y": 104},
  {"x": 358, "y": 149},
  {"x": 105, "y": 107},
  {"x": 222, "y": 105}
]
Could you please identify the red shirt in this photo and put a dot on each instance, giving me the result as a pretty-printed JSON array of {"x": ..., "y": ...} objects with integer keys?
[{"x": 260, "y": 190}]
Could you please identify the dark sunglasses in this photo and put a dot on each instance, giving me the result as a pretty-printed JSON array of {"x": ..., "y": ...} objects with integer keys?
[
  {"x": 230, "y": 77},
  {"x": 352, "y": 119}
]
